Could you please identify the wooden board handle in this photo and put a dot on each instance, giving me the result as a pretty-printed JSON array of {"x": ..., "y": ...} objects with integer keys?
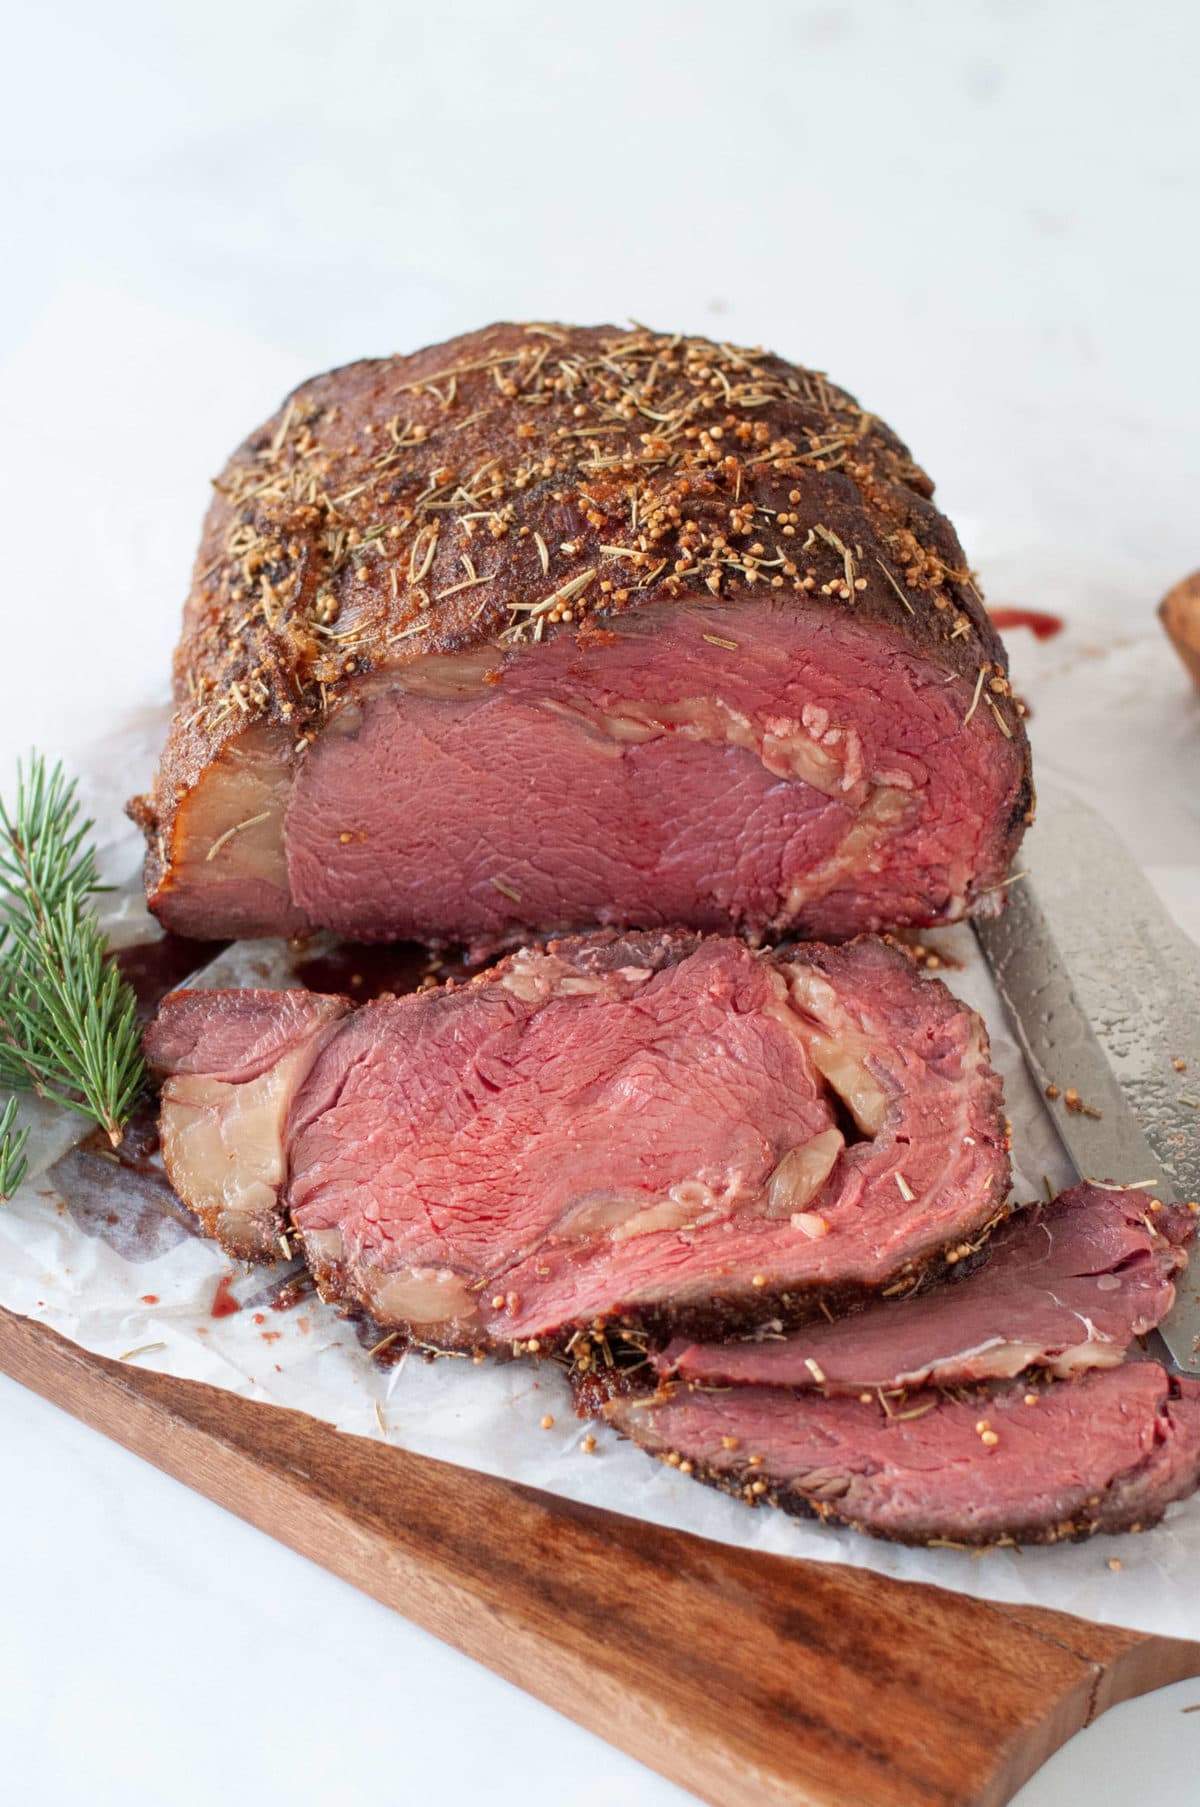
[{"x": 741, "y": 1676}]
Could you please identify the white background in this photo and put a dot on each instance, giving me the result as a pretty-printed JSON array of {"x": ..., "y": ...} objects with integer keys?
[{"x": 981, "y": 218}]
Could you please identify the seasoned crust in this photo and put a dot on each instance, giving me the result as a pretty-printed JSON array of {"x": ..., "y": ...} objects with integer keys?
[{"x": 528, "y": 479}]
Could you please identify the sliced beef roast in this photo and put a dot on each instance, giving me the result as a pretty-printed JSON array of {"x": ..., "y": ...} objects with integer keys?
[
  {"x": 1065, "y": 1286},
  {"x": 549, "y": 627},
  {"x": 652, "y": 1130},
  {"x": 1108, "y": 1451}
]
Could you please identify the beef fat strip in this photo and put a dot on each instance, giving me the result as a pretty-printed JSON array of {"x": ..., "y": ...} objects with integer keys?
[
  {"x": 1064, "y": 1286},
  {"x": 656, "y": 1131},
  {"x": 1108, "y": 1451},
  {"x": 550, "y": 627}
]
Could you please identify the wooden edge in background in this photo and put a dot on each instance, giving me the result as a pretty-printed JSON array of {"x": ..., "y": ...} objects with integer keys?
[{"x": 738, "y": 1675}]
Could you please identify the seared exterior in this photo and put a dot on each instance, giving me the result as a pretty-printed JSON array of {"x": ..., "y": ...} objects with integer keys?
[{"x": 531, "y": 483}]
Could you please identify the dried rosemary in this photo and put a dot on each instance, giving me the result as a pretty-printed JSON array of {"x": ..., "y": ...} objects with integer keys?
[{"x": 68, "y": 1020}]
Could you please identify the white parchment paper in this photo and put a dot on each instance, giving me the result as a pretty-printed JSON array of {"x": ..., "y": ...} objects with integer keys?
[{"x": 1112, "y": 719}]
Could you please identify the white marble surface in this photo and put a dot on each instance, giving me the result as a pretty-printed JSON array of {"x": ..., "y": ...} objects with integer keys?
[{"x": 982, "y": 219}]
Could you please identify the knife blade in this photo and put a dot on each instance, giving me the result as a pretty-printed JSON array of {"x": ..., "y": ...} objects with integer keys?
[{"x": 1103, "y": 991}]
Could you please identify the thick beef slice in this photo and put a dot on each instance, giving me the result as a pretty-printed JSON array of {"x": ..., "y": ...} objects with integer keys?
[
  {"x": 1108, "y": 1451},
  {"x": 528, "y": 633},
  {"x": 1065, "y": 1286},
  {"x": 652, "y": 1130}
]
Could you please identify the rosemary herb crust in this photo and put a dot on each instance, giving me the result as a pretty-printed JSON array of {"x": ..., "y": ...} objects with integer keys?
[{"x": 531, "y": 479}]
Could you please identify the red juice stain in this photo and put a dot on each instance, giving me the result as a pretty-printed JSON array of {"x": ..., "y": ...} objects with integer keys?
[
  {"x": 224, "y": 1304},
  {"x": 149, "y": 1298},
  {"x": 260, "y": 1317},
  {"x": 1041, "y": 625},
  {"x": 271, "y": 1336}
]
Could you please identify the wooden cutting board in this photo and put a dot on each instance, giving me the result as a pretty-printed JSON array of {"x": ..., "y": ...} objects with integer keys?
[{"x": 741, "y": 1676}]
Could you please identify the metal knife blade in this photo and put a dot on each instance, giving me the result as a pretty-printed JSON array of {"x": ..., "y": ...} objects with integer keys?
[{"x": 1104, "y": 995}]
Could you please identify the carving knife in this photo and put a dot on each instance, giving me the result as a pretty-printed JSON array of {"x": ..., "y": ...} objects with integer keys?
[{"x": 1103, "y": 990}]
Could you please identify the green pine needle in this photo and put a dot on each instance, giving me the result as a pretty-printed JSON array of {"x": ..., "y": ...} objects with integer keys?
[
  {"x": 12, "y": 1151},
  {"x": 68, "y": 1020}
]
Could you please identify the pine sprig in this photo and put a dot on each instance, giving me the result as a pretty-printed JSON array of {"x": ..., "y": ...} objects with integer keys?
[
  {"x": 68, "y": 1020},
  {"x": 12, "y": 1151}
]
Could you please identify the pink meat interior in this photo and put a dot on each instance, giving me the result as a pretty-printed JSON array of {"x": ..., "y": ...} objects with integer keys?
[
  {"x": 579, "y": 1137},
  {"x": 1111, "y": 1447},
  {"x": 761, "y": 767}
]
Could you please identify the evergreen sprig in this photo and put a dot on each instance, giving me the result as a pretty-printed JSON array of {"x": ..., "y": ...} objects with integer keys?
[
  {"x": 68, "y": 1020},
  {"x": 12, "y": 1151}
]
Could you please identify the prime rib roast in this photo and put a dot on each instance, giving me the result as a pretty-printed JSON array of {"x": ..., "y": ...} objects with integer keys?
[
  {"x": 1066, "y": 1286},
  {"x": 633, "y": 653},
  {"x": 1015, "y": 1462},
  {"x": 655, "y": 1131},
  {"x": 550, "y": 627}
]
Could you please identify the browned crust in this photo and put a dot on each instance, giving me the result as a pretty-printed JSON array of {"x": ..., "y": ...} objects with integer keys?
[{"x": 478, "y": 489}]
